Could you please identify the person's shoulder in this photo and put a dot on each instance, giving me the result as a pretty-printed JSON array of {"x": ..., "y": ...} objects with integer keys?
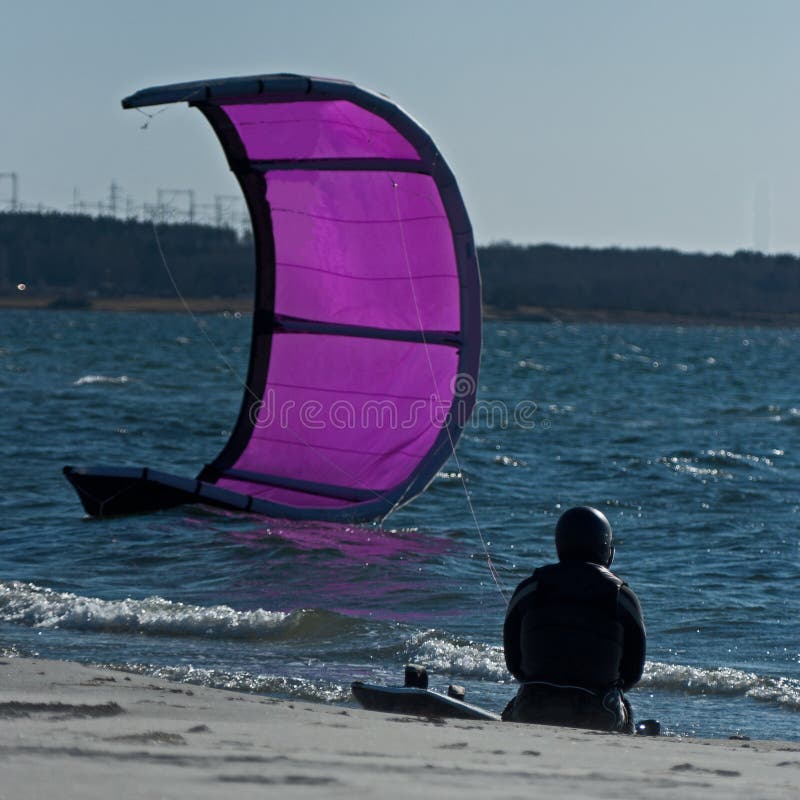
[
  {"x": 533, "y": 578},
  {"x": 529, "y": 585},
  {"x": 623, "y": 585},
  {"x": 546, "y": 569},
  {"x": 606, "y": 574},
  {"x": 629, "y": 602}
]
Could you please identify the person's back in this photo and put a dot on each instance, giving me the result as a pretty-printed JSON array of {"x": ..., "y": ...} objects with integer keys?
[{"x": 573, "y": 634}]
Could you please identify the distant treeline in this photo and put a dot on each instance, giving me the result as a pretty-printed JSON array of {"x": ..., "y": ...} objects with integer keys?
[
  {"x": 644, "y": 280},
  {"x": 81, "y": 256},
  {"x": 105, "y": 257}
]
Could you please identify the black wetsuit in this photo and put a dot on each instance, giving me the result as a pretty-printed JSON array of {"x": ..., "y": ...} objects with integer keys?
[{"x": 575, "y": 638}]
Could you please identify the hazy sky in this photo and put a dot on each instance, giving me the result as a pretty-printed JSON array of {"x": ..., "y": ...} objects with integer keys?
[{"x": 602, "y": 122}]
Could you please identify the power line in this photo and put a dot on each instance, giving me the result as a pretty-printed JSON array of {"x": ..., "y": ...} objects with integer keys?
[
  {"x": 177, "y": 205},
  {"x": 14, "y": 177}
]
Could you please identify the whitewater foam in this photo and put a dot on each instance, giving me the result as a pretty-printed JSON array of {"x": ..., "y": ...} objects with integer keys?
[
  {"x": 724, "y": 681},
  {"x": 90, "y": 379},
  {"x": 39, "y": 607},
  {"x": 242, "y": 681},
  {"x": 479, "y": 661},
  {"x": 452, "y": 657}
]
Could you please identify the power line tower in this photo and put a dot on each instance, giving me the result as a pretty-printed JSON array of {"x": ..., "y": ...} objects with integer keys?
[
  {"x": 223, "y": 213},
  {"x": 14, "y": 188},
  {"x": 114, "y": 198},
  {"x": 164, "y": 205}
]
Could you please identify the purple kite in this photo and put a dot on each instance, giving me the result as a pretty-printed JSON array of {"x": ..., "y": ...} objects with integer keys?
[{"x": 367, "y": 316}]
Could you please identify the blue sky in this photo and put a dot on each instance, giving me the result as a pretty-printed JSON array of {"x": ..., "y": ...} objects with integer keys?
[{"x": 673, "y": 124}]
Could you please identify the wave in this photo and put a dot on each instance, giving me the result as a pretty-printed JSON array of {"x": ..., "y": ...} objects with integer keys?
[
  {"x": 717, "y": 463},
  {"x": 467, "y": 659},
  {"x": 534, "y": 365},
  {"x": 723, "y": 681},
  {"x": 38, "y": 607},
  {"x": 689, "y": 466},
  {"x": 243, "y": 681},
  {"x": 735, "y": 459},
  {"x": 34, "y": 606},
  {"x": 479, "y": 661},
  {"x": 509, "y": 461},
  {"x": 476, "y": 661},
  {"x": 450, "y": 477},
  {"x": 90, "y": 379}
]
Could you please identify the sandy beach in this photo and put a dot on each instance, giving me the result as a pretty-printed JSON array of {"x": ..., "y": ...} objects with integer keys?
[{"x": 73, "y": 731}]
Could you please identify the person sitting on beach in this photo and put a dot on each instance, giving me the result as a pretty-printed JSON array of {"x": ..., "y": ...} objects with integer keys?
[{"x": 574, "y": 635}]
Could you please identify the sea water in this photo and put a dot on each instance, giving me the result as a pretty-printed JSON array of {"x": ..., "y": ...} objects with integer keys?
[{"x": 688, "y": 438}]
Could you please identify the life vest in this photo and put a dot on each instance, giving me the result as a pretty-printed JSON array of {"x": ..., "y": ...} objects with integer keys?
[{"x": 569, "y": 631}]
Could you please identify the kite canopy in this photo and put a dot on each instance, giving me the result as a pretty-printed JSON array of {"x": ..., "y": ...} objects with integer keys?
[{"x": 366, "y": 325}]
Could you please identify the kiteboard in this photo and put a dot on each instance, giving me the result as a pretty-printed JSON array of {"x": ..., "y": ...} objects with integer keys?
[
  {"x": 416, "y": 702},
  {"x": 416, "y": 699}
]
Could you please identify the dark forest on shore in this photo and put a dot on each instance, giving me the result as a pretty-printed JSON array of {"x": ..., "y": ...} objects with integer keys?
[{"x": 79, "y": 260}]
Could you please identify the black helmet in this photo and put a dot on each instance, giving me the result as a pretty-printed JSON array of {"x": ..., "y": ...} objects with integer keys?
[{"x": 584, "y": 534}]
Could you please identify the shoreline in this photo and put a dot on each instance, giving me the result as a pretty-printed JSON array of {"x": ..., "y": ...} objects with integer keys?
[
  {"x": 71, "y": 731},
  {"x": 604, "y": 316},
  {"x": 525, "y": 313}
]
